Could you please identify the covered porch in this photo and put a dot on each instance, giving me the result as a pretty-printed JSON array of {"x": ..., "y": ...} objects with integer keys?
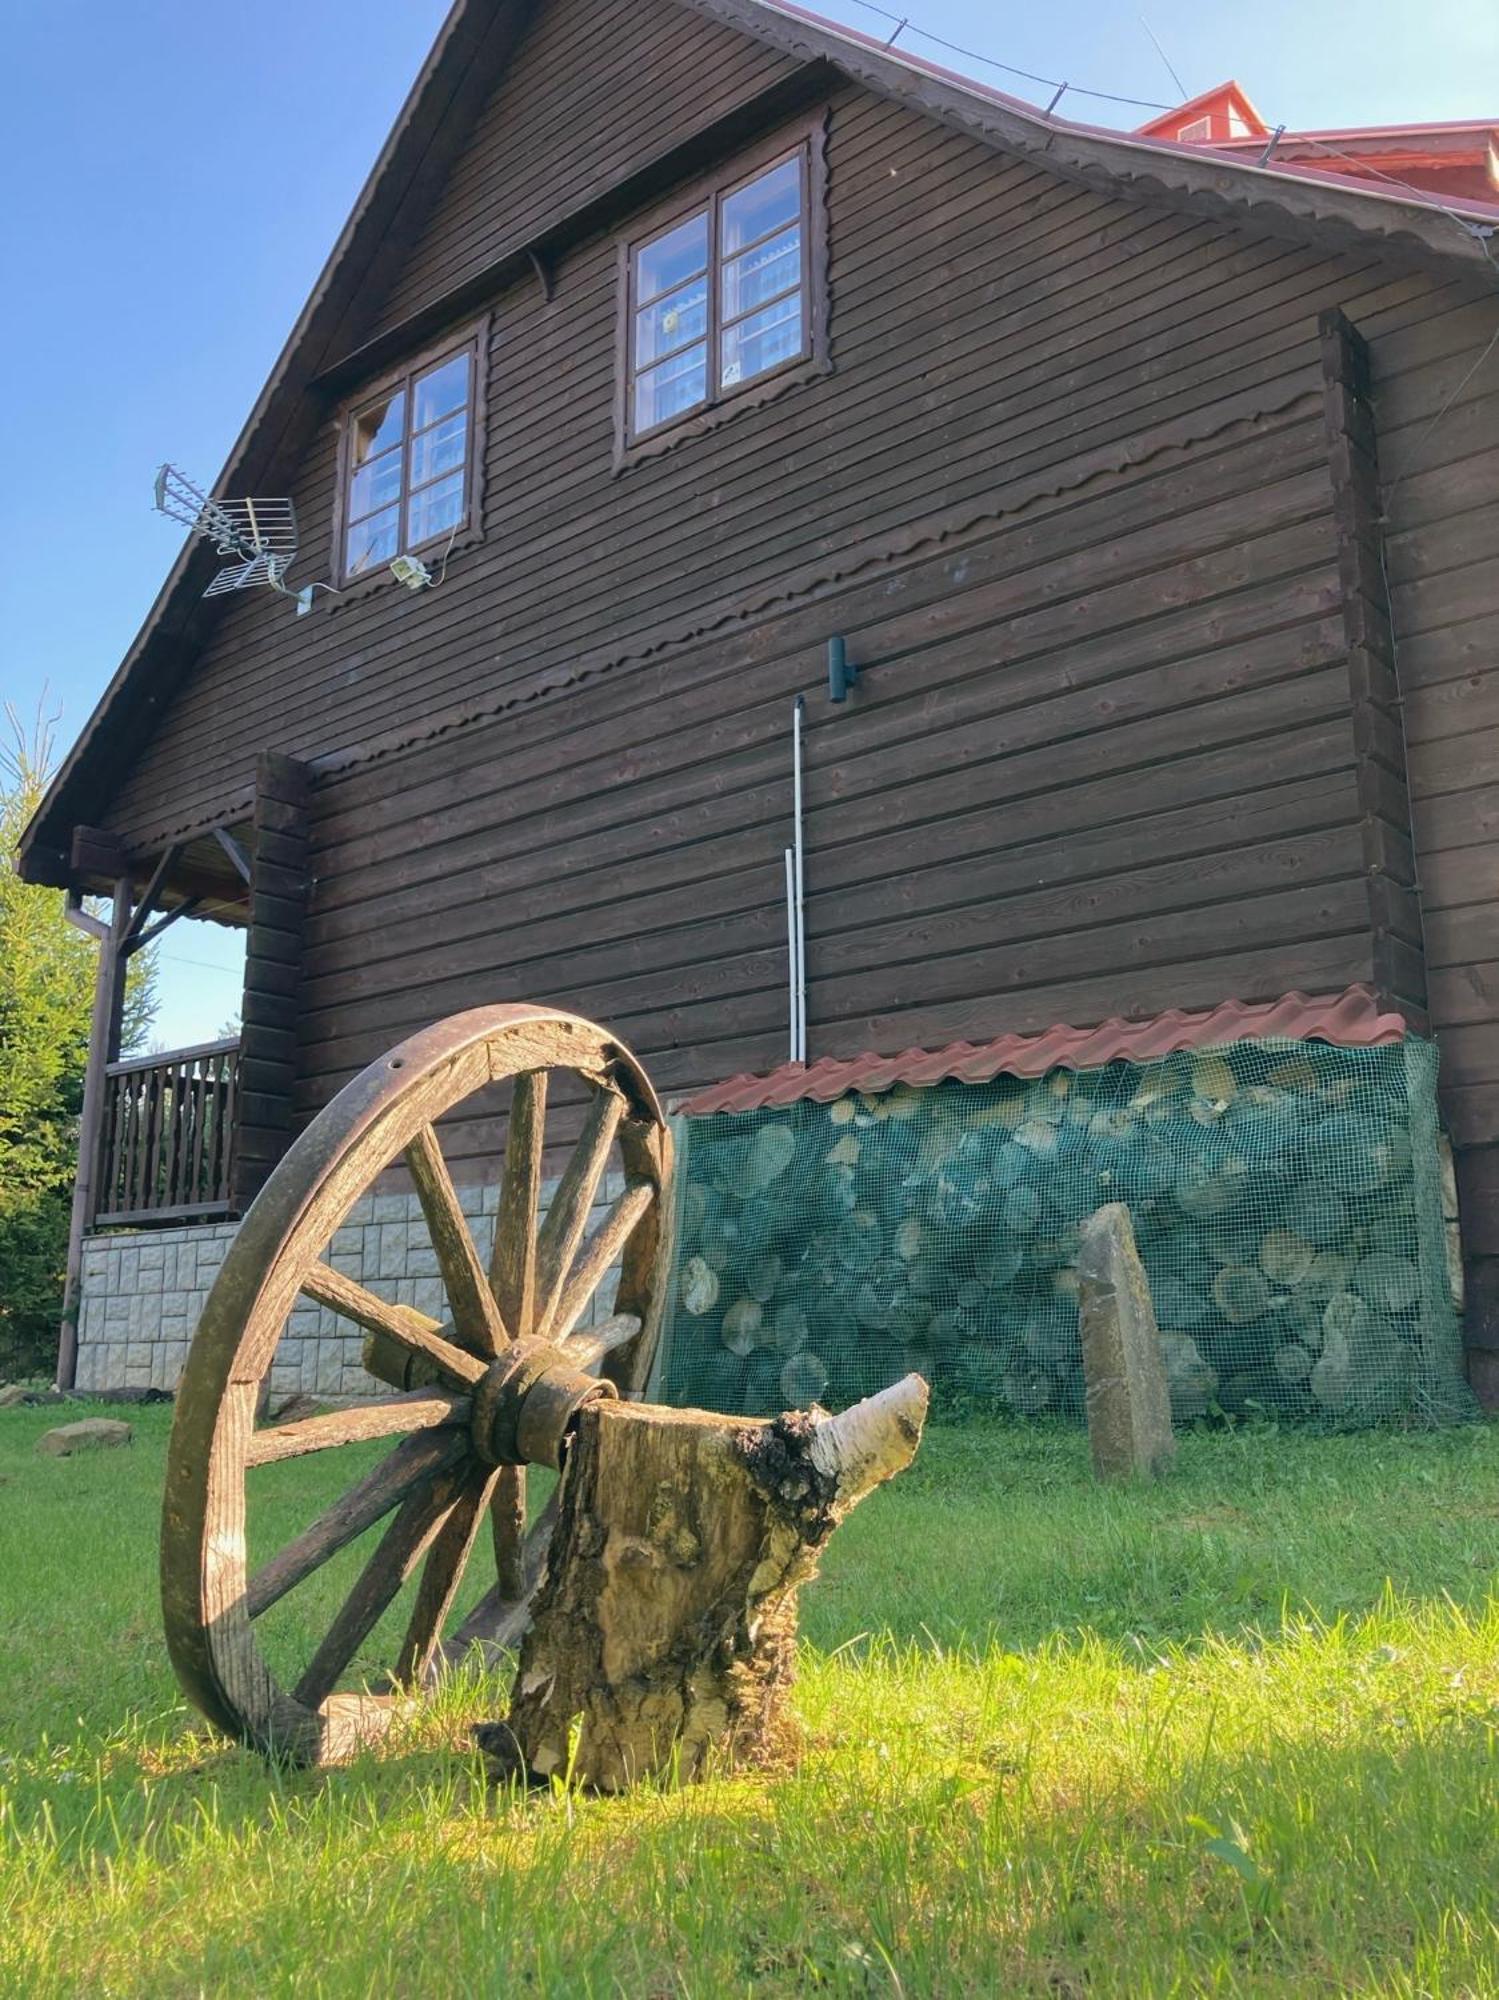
[{"x": 174, "y": 1143}]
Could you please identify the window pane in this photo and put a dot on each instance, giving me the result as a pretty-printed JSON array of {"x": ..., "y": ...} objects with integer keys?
[
  {"x": 441, "y": 389},
  {"x": 371, "y": 542},
  {"x": 762, "y": 273},
  {"x": 672, "y": 259},
  {"x": 441, "y": 449},
  {"x": 675, "y": 386},
  {"x": 434, "y": 510},
  {"x": 768, "y": 203},
  {"x": 762, "y": 341},
  {"x": 675, "y": 321},
  {"x": 377, "y": 429},
  {"x": 377, "y": 483}
]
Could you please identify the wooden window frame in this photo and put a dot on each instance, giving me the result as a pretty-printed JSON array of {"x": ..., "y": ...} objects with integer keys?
[
  {"x": 710, "y": 192},
  {"x": 474, "y": 340}
]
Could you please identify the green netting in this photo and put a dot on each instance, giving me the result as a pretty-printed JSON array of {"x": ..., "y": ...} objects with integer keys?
[{"x": 1285, "y": 1196}]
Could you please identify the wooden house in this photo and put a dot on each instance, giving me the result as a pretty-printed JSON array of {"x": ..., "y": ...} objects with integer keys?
[{"x": 1152, "y": 489}]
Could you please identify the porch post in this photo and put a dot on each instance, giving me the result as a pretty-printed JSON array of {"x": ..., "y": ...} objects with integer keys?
[{"x": 103, "y": 1047}]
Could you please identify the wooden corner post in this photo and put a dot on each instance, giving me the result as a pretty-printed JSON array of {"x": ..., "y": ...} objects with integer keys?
[
  {"x": 1398, "y": 959},
  {"x": 103, "y": 1047},
  {"x": 273, "y": 964}
]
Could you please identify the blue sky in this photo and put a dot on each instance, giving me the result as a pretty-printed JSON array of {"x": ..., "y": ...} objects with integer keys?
[{"x": 176, "y": 174}]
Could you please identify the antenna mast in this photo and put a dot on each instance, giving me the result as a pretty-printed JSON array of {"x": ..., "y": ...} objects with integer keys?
[{"x": 259, "y": 536}]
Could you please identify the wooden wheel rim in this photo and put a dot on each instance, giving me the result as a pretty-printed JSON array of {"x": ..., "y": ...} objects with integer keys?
[{"x": 334, "y": 1162}]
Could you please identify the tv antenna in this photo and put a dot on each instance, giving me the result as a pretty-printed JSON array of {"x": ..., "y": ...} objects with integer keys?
[{"x": 259, "y": 536}]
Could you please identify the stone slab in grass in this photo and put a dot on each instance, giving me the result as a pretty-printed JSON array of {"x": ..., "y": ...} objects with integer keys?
[
  {"x": 88, "y": 1434},
  {"x": 1128, "y": 1400}
]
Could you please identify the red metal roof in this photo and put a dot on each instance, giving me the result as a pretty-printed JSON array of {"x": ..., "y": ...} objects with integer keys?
[
  {"x": 1350, "y": 1019},
  {"x": 1457, "y": 158}
]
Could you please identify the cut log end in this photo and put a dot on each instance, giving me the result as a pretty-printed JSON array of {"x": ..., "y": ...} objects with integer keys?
[{"x": 664, "y": 1630}]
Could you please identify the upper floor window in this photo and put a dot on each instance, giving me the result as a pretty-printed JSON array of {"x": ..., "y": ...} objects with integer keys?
[
  {"x": 724, "y": 297},
  {"x": 407, "y": 477}
]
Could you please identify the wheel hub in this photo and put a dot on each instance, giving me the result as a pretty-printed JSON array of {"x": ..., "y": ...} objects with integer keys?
[{"x": 524, "y": 1407}]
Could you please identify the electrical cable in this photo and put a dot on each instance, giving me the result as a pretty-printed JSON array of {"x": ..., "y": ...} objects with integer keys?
[
  {"x": 442, "y": 574},
  {"x": 904, "y": 23}
]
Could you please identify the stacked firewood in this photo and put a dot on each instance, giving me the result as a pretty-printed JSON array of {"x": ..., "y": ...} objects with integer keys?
[{"x": 828, "y": 1249}]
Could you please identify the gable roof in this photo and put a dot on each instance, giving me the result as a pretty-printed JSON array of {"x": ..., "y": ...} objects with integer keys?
[
  {"x": 467, "y": 61},
  {"x": 1216, "y": 108}
]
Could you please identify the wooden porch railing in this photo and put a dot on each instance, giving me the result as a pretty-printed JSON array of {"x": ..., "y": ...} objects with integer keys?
[{"x": 165, "y": 1143}]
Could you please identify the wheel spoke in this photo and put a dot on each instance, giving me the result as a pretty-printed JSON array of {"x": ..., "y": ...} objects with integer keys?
[
  {"x": 402, "y": 1547},
  {"x": 507, "y": 1515},
  {"x": 441, "y": 1577},
  {"x": 475, "y": 1313},
  {"x": 512, "y": 1278},
  {"x": 413, "y": 1463},
  {"x": 591, "y": 1345},
  {"x": 497, "y": 1619},
  {"x": 598, "y": 1255},
  {"x": 512, "y": 1269},
  {"x": 408, "y": 1328},
  {"x": 562, "y": 1231},
  {"x": 357, "y": 1423}
]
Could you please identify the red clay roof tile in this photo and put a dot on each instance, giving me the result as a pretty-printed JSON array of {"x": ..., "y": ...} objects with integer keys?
[{"x": 1351, "y": 1019}]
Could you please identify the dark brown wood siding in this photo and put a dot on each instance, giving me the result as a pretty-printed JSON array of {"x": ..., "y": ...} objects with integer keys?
[
  {"x": 1436, "y": 391},
  {"x": 1099, "y": 760}
]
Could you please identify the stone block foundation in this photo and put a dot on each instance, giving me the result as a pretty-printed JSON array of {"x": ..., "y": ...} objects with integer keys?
[{"x": 142, "y": 1291}]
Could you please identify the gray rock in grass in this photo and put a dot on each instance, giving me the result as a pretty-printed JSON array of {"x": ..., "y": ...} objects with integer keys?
[{"x": 88, "y": 1434}]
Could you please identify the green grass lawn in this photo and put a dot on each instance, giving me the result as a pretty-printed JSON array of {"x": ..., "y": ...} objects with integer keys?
[{"x": 1234, "y": 1734}]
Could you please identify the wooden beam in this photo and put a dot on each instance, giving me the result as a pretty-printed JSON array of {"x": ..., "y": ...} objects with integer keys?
[
  {"x": 153, "y": 889},
  {"x": 1397, "y": 948},
  {"x": 103, "y": 1047},
  {"x": 273, "y": 956},
  {"x": 82, "y": 919},
  {"x": 95, "y": 852},
  {"x": 163, "y": 923},
  {"x": 235, "y": 852}
]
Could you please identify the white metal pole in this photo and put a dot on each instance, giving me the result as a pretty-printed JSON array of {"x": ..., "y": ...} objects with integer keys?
[{"x": 791, "y": 946}]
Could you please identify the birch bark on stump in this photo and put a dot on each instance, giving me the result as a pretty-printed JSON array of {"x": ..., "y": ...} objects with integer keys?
[{"x": 665, "y": 1628}]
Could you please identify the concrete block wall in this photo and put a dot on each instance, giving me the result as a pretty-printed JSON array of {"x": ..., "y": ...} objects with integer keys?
[{"x": 142, "y": 1292}]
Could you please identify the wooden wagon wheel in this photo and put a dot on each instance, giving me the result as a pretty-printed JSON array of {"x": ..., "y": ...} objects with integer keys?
[{"x": 456, "y": 1410}]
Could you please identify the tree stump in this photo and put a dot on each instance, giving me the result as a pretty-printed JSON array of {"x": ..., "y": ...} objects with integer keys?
[{"x": 664, "y": 1630}]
